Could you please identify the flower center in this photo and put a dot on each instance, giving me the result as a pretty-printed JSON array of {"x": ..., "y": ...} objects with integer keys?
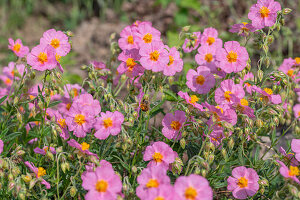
[
  {"x": 55, "y": 43},
  {"x": 242, "y": 182},
  {"x": 244, "y": 102},
  {"x": 85, "y": 146},
  {"x": 299, "y": 114},
  {"x": 41, "y": 172},
  {"x": 101, "y": 186},
  {"x": 190, "y": 193},
  {"x": 7, "y": 81},
  {"x": 157, "y": 157},
  {"x": 171, "y": 60},
  {"x": 79, "y": 119},
  {"x": 264, "y": 12},
  {"x": 208, "y": 57},
  {"x": 154, "y": 55},
  {"x": 46, "y": 149},
  {"x": 200, "y": 80},
  {"x": 268, "y": 91},
  {"x": 227, "y": 95},
  {"x": 42, "y": 58},
  {"x": 244, "y": 23},
  {"x": 130, "y": 63},
  {"x": 194, "y": 99},
  {"x": 17, "y": 47},
  {"x": 152, "y": 183},
  {"x": 175, "y": 125},
  {"x": 297, "y": 60},
  {"x": 294, "y": 171},
  {"x": 57, "y": 57},
  {"x": 147, "y": 38},
  {"x": 68, "y": 106},
  {"x": 107, "y": 122},
  {"x": 130, "y": 39},
  {"x": 232, "y": 56},
  {"x": 210, "y": 40},
  {"x": 290, "y": 72},
  {"x": 218, "y": 107},
  {"x": 159, "y": 198},
  {"x": 62, "y": 122}
]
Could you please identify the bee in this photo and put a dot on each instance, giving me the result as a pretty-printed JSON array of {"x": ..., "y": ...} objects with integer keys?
[{"x": 145, "y": 105}]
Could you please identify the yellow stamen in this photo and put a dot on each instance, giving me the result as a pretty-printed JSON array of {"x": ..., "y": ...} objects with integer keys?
[
  {"x": 190, "y": 193},
  {"x": 42, "y": 58},
  {"x": 41, "y": 172},
  {"x": 101, "y": 186},
  {"x": 208, "y": 57},
  {"x": 175, "y": 125},
  {"x": 154, "y": 55},
  {"x": 159, "y": 198},
  {"x": 171, "y": 60},
  {"x": 232, "y": 56},
  {"x": 85, "y": 146},
  {"x": 264, "y": 12},
  {"x": 62, "y": 122},
  {"x": 147, "y": 38},
  {"x": 7, "y": 81},
  {"x": 297, "y": 60},
  {"x": 107, "y": 122},
  {"x": 294, "y": 171},
  {"x": 194, "y": 99},
  {"x": 130, "y": 39},
  {"x": 152, "y": 183},
  {"x": 268, "y": 91},
  {"x": 58, "y": 57},
  {"x": 242, "y": 182},
  {"x": 17, "y": 47},
  {"x": 244, "y": 102},
  {"x": 157, "y": 157},
  {"x": 200, "y": 80},
  {"x": 210, "y": 40},
  {"x": 79, "y": 119},
  {"x": 55, "y": 43},
  {"x": 130, "y": 62},
  {"x": 227, "y": 95}
]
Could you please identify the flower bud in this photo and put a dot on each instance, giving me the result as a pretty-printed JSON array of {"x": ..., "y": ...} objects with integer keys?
[
  {"x": 263, "y": 182},
  {"x": 20, "y": 152},
  {"x": 211, "y": 158},
  {"x": 182, "y": 143},
  {"x": 50, "y": 155},
  {"x": 32, "y": 183},
  {"x": 177, "y": 166},
  {"x": 11, "y": 185},
  {"x": 27, "y": 178},
  {"x": 203, "y": 172},
  {"x": 15, "y": 171},
  {"x": 73, "y": 191},
  {"x": 224, "y": 154},
  {"x": 231, "y": 143},
  {"x": 260, "y": 74},
  {"x": 186, "y": 28},
  {"x": 293, "y": 190},
  {"x": 286, "y": 11}
]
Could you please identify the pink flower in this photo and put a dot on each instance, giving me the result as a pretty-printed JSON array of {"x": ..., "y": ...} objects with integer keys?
[
  {"x": 172, "y": 124},
  {"x": 192, "y": 100},
  {"x": 80, "y": 119},
  {"x": 83, "y": 147},
  {"x": 1, "y": 146},
  {"x": 287, "y": 67},
  {"x": 193, "y": 187},
  {"x": 87, "y": 100},
  {"x": 154, "y": 56},
  {"x": 200, "y": 81},
  {"x": 233, "y": 58},
  {"x": 160, "y": 154},
  {"x": 227, "y": 90},
  {"x": 221, "y": 113},
  {"x": 267, "y": 95},
  {"x": 164, "y": 192},
  {"x": 243, "y": 182},
  {"x": 18, "y": 48},
  {"x": 110, "y": 123},
  {"x": 264, "y": 13},
  {"x": 191, "y": 44},
  {"x": 146, "y": 34},
  {"x": 289, "y": 157},
  {"x": 207, "y": 56},
  {"x": 291, "y": 172},
  {"x": 58, "y": 40},
  {"x": 127, "y": 40},
  {"x": 216, "y": 136},
  {"x": 103, "y": 184},
  {"x": 8, "y": 81},
  {"x": 61, "y": 121},
  {"x": 248, "y": 77},
  {"x": 39, "y": 172},
  {"x": 296, "y": 110},
  {"x": 32, "y": 141},
  {"x": 44, "y": 150},
  {"x": 242, "y": 29},
  {"x": 151, "y": 178},
  {"x": 10, "y": 71},
  {"x": 74, "y": 90},
  {"x": 42, "y": 57},
  {"x": 175, "y": 62},
  {"x": 210, "y": 38},
  {"x": 296, "y": 148},
  {"x": 128, "y": 65},
  {"x": 242, "y": 105},
  {"x": 98, "y": 65}
]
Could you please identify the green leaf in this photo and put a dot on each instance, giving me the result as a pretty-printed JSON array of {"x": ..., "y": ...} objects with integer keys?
[
  {"x": 54, "y": 103},
  {"x": 170, "y": 96},
  {"x": 11, "y": 136},
  {"x": 3, "y": 98}
]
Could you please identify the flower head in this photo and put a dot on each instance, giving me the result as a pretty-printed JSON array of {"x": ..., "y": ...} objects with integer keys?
[
  {"x": 207, "y": 56},
  {"x": 210, "y": 38},
  {"x": 127, "y": 39},
  {"x": 267, "y": 95},
  {"x": 87, "y": 101},
  {"x": 292, "y": 172},
  {"x": 83, "y": 147},
  {"x": 44, "y": 150},
  {"x": 242, "y": 29},
  {"x": 175, "y": 63},
  {"x": 39, "y": 172},
  {"x": 129, "y": 64},
  {"x": 289, "y": 157},
  {"x": 145, "y": 34},
  {"x": 42, "y": 57},
  {"x": 191, "y": 44},
  {"x": 172, "y": 124},
  {"x": 227, "y": 90},
  {"x": 18, "y": 48},
  {"x": 192, "y": 100}
]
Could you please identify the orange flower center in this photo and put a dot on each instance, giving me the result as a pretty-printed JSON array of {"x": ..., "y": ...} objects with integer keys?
[
  {"x": 130, "y": 62},
  {"x": 152, "y": 183},
  {"x": 268, "y": 91},
  {"x": 130, "y": 39},
  {"x": 264, "y": 12},
  {"x": 227, "y": 95},
  {"x": 298, "y": 113},
  {"x": 62, "y": 122},
  {"x": 159, "y": 198},
  {"x": 101, "y": 186},
  {"x": 41, "y": 172},
  {"x": 85, "y": 146},
  {"x": 157, "y": 157},
  {"x": 200, "y": 80},
  {"x": 75, "y": 92},
  {"x": 79, "y": 119},
  {"x": 58, "y": 57},
  {"x": 68, "y": 106},
  {"x": 175, "y": 125},
  {"x": 208, "y": 57},
  {"x": 42, "y": 58},
  {"x": 290, "y": 72},
  {"x": 171, "y": 60},
  {"x": 7, "y": 81},
  {"x": 244, "y": 102},
  {"x": 294, "y": 171},
  {"x": 17, "y": 47},
  {"x": 147, "y": 38},
  {"x": 194, "y": 99},
  {"x": 232, "y": 57},
  {"x": 46, "y": 149},
  {"x": 55, "y": 43},
  {"x": 297, "y": 60},
  {"x": 154, "y": 55},
  {"x": 242, "y": 182},
  {"x": 107, "y": 122},
  {"x": 210, "y": 40},
  {"x": 190, "y": 193}
]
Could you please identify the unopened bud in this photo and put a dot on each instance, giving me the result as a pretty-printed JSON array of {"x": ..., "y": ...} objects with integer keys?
[
  {"x": 293, "y": 190},
  {"x": 182, "y": 143},
  {"x": 224, "y": 154},
  {"x": 286, "y": 11},
  {"x": 27, "y": 178},
  {"x": 203, "y": 172},
  {"x": 11, "y": 185},
  {"x": 211, "y": 158},
  {"x": 260, "y": 74},
  {"x": 186, "y": 28},
  {"x": 73, "y": 191},
  {"x": 50, "y": 155},
  {"x": 231, "y": 143},
  {"x": 264, "y": 182},
  {"x": 134, "y": 169},
  {"x": 20, "y": 153}
]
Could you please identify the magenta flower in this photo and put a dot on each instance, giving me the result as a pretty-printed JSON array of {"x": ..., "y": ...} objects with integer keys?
[
  {"x": 39, "y": 172},
  {"x": 83, "y": 147},
  {"x": 58, "y": 40},
  {"x": 192, "y": 100},
  {"x": 243, "y": 182},
  {"x": 154, "y": 56},
  {"x": 210, "y": 38},
  {"x": 42, "y": 57},
  {"x": 296, "y": 148},
  {"x": 151, "y": 178},
  {"x": 267, "y": 95},
  {"x": 296, "y": 110},
  {"x": 80, "y": 119},
  {"x": 290, "y": 173},
  {"x": 264, "y": 13},
  {"x": 127, "y": 40},
  {"x": 159, "y": 154},
  {"x": 103, "y": 184},
  {"x": 146, "y": 34},
  {"x": 242, "y": 29},
  {"x": 109, "y": 123},
  {"x": 200, "y": 81},
  {"x": 44, "y": 150},
  {"x": 193, "y": 187},
  {"x": 87, "y": 101},
  {"x": 233, "y": 57},
  {"x": 289, "y": 157},
  {"x": 207, "y": 56},
  {"x": 172, "y": 124},
  {"x": 128, "y": 65},
  {"x": 1, "y": 146},
  {"x": 175, "y": 62},
  {"x": 190, "y": 45},
  {"x": 18, "y": 48},
  {"x": 163, "y": 192},
  {"x": 227, "y": 90}
]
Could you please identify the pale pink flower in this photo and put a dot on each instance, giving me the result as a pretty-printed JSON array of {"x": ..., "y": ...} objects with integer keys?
[
  {"x": 44, "y": 150},
  {"x": 242, "y": 29},
  {"x": 18, "y": 48},
  {"x": 39, "y": 172},
  {"x": 145, "y": 34},
  {"x": 172, "y": 124},
  {"x": 83, "y": 147},
  {"x": 292, "y": 172},
  {"x": 227, "y": 90},
  {"x": 200, "y": 81},
  {"x": 175, "y": 62},
  {"x": 210, "y": 38},
  {"x": 42, "y": 57},
  {"x": 289, "y": 157},
  {"x": 207, "y": 56},
  {"x": 127, "y": 39},
  {"x": 129, "y": 64},
  {"x": 192, "y": 100}
]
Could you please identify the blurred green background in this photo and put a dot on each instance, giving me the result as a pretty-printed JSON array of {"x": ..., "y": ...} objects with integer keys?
[{"x": 93, "y": 21}]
